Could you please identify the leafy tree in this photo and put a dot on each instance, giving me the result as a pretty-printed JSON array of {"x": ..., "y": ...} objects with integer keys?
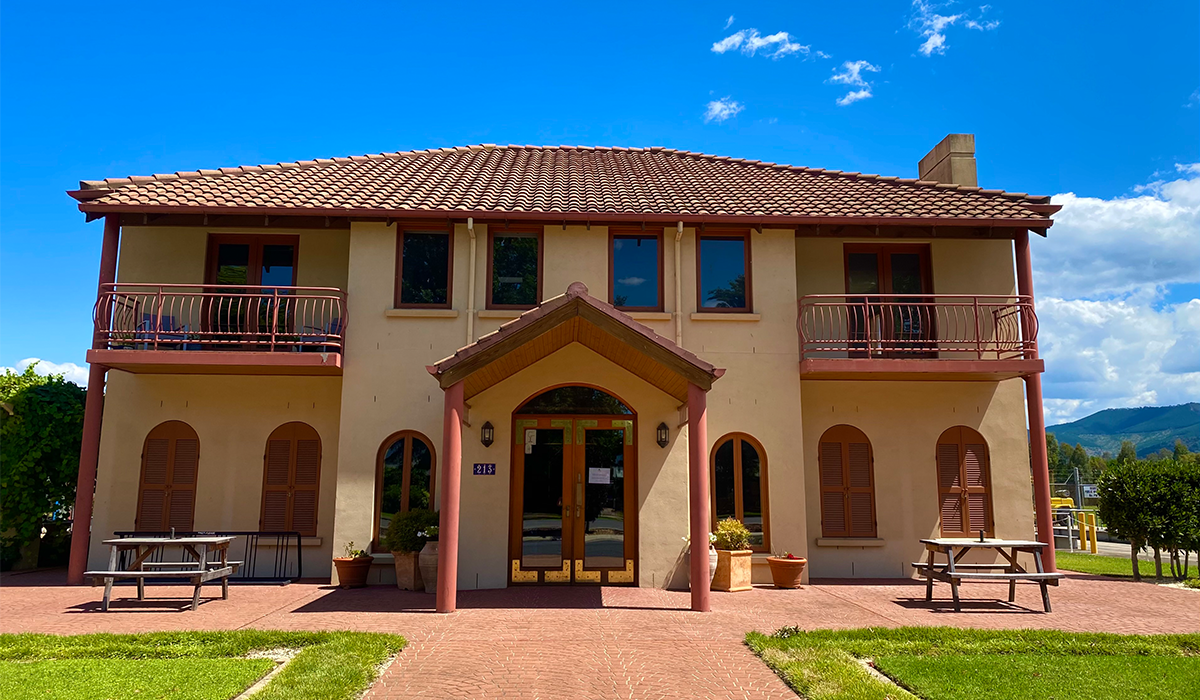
[
  {"x": 731, "y": 297},
  {"x": 1053, "y": 458},
  {"x": 1079, "y": 460},
  {"x": 1181, "y": 450},
  {"x": 41, "y": 428},
  {"x": 1128, "y": 452},
  {"x": 1126, "y": 506}
]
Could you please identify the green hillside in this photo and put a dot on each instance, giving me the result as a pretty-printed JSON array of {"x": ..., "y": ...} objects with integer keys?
[{"x": 1150, "y": 428}]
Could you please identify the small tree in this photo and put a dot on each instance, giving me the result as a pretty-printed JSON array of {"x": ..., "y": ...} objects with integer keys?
[
  {"x": 1128, "y": 452},
  {"x": 1126, "y": 506}
]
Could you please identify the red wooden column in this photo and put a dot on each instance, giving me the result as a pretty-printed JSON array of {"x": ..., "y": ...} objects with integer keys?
[
  {"x": 447, "y": 585},
  {"x": 699, "y": 498},
  {"x": 1037, "y": 419},
  {"x": 93, "y": 411}
]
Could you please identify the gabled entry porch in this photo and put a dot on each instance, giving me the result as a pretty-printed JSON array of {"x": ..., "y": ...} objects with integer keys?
[{"x": 590, "y": 529}]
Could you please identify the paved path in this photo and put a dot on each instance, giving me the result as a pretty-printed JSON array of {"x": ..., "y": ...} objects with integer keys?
[{"x": 592, "y": 642}]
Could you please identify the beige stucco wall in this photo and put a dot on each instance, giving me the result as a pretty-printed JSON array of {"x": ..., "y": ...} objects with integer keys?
[
  {"x": 903, "y": 421},
  {"x": 232, "y": 416}
]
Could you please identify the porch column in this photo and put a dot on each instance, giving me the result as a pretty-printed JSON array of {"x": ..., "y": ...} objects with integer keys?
[
  {"x": 1037, "y": 419},
  {"x": 698, "y": 491},
  {"x": 93, "y": 411},
  {"x": 447, "y": 585}
]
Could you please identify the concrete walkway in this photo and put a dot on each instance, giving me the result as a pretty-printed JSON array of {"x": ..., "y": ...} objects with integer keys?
[{"x": 592, "y": 642}]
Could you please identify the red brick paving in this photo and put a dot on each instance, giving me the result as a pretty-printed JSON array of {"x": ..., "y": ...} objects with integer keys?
[{"x": 592, "y": 642}]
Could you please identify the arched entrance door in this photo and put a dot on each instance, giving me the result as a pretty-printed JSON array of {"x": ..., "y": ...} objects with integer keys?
[{"x": 574, "y": 490}]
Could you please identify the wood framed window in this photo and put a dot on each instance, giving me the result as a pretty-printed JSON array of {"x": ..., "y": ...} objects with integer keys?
[
  {"x": 847, "y": 470},
  {"x": 514, "y": 268},
  {"x": 405, "y": 477},
  {"x": 723, "y": 279},
  {"x": 167, "y": 487},
  {"x": 240, "y": 259},
  {"x": 424, "y": 268},
  {"x": 738, "y": 473},
  {"x": 964, "y": 481},
  {"x": 291, "y": 480},
  {"x": 888, "y": 268},
  {"x": 635, "y": 269}
]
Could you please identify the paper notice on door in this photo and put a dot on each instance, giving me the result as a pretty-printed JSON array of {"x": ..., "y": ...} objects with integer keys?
[
  {"x": 599, "y": 475},
  {"x": 530, "y": 436}
]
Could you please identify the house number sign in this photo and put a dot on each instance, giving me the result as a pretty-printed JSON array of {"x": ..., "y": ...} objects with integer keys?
[{"x": 485, "y": 470}]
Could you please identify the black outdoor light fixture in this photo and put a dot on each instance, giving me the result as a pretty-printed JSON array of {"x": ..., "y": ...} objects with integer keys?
[
  {"x": 487, "y": 434},
  {"x": 664, "y": 434}
]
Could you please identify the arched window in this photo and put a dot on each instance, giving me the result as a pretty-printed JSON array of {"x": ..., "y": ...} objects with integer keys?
[
  {"x": 167, "y": 488},
  {"x": 405, "y": 477},
  {"x": 964, "y": 483},
  {"x": 576, "y": 400},
  {"x": 847, "y": 468},
  {"x": 739, "y": 486},
  {"x": 291, "y": 477}
]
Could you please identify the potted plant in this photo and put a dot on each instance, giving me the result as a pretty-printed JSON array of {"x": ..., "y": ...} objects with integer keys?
[
  {"x": 787, "y": 570},
  {"x": 428, "y": 558},
  {"x": 733, "y": 556},
  {"x": 353, "y": 568},
  {"x": 404, "y": 539}
]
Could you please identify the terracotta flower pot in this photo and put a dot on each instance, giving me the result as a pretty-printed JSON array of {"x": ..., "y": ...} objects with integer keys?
[
  {"x": 352, "y": 572},
  {"x": 786, "y": 573},
  {"x": 429, "y": 566},
  {"x": 733, "y": 570},
  {"x": 408, "y": 571}
]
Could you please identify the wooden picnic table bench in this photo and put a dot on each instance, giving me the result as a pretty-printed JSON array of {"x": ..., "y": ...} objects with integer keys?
[
  {"x": 954, "y": 572},
  {"x": 198, "y": 572}
]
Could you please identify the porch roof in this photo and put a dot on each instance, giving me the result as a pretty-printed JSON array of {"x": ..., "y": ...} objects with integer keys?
[{"x": 572, "y": 317}]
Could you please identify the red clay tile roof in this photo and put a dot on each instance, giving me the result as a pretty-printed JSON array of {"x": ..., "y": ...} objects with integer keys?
[{"x": 563, "y": 182}]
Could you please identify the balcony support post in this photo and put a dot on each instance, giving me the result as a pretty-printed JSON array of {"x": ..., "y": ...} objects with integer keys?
[
  {"x": 1037, "y": 419},
  {"x": 698, "y": 488},
  {"x": 93, "y": 412},
  {"x": 452, "y": 419}
]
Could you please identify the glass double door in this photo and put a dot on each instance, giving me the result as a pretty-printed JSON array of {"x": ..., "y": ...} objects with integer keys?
[
  {"x": 893, "y": 318},
  {"x": 574, "y": 501}
]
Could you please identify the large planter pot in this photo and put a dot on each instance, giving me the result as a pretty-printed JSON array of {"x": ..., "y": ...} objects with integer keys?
[
  {"x": 352, "y": 572},
  {"x": 429, "y": 566},
  {"x": 408, "y": 571},
  {"x": 712, "y": 564},
  {"x": 733, "y": 570},
  {"x": 786, "y": 573}
]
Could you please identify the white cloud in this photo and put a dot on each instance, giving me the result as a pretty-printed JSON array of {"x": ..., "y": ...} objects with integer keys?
[
  {"x": 926, "y": 21},
  {"x": 1101, "y": 277},
  {"x": 851, "y": 73},
  {"x": 728, "y": 22},
  {"x": 1193, "y": 99},
  {"x": 632, "y": 281},
  {"x": 722, "y": 109},
  {"x": 750, "y": 42},
  {"x": 70, "y": 371}
]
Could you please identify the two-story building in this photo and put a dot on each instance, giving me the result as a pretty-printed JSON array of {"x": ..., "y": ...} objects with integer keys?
[{"x": 581, "y": 356}]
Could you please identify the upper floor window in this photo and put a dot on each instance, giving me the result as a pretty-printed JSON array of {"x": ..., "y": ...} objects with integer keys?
[
  {"x": 739, "y": 486},
  {"x": 887, "y": 269},
  {"x": 404, "y": 477},
  {"x": 723, "y": 272},
  {"x": 514, "y": 269},
  {"x": 636, "y": 270},
  {"x": 423, "y": 268},
  {"x": 252, "y": 260}
]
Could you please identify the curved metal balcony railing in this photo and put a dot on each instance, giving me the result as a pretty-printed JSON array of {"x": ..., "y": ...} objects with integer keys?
[
  {"x": 915, "y": 326},
  {"x": 219, "y": 317}
]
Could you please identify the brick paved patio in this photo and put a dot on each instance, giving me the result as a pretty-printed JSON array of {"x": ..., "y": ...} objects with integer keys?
[{"x": 591, "y": 642}]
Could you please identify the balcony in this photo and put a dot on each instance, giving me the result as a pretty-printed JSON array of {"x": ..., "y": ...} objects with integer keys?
[
  {"x": 219, "y": 329},
  {"x": 899, "y": 336}
]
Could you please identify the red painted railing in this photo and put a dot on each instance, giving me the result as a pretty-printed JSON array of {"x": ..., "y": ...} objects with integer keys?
[
  {"x": 220, "y": 317},
  {"x": 975, "y": 327}
]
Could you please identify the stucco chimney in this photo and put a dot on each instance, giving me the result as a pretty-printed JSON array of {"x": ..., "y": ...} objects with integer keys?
[{"x": 951, "y": 161}]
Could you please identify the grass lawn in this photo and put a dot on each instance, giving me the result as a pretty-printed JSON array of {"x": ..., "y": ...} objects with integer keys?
[
  {"x": 1120, "y": 566},
  {"x": 190, "y": 665},
  {"x": 941, "y": 663}
]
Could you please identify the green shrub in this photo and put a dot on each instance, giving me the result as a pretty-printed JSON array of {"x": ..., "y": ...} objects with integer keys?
[
  {"x": 1154, "y": 504},
  {"x": 732, "y": 535},
  {"x": 404, "y": 532}
]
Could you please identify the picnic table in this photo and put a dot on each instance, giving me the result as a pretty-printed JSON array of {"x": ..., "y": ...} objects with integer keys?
[
  {"x": 199, "y": 572},
  {"x": 954, "y": 572}
]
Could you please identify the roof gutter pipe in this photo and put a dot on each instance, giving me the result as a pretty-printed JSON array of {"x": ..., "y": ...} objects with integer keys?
[
  {"x": 471, "y": 284},
  {"x": 678, "y": 285}
]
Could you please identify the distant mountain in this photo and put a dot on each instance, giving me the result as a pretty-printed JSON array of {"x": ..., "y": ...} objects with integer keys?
[{"x": 1150, "y": 428}]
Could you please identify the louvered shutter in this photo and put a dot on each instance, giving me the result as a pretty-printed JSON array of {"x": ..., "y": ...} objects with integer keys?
[
  {"x": 847, "y": 483},
  {"x": 167, "y": 489},
  {"x": 976, "y": 481},
  {"x": 964, "y": 493},
  {"x": 291, "y": 476}
]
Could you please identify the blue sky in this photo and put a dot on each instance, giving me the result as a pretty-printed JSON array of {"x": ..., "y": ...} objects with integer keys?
[{"x": 1101, "y": 103}]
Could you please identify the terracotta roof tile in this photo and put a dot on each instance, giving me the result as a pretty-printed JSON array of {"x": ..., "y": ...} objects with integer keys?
[{"x": 567, "y": 180}]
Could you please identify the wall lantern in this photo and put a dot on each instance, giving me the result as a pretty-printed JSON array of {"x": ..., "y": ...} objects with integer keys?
[
  {"x": 487, "y": 434},
  {"x": 664, "y": 434}
]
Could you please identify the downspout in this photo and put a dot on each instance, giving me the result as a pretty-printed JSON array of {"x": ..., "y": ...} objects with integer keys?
[
  {"x": 678, "y": 286},
  {"x": 471, "y": 285}
]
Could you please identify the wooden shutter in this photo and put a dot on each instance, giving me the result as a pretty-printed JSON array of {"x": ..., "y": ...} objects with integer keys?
[
  {"x": 167, "y": 488},
  {"x": 964, "y": 483},
  {"x": 291, "y": 476},
  {"x": 847, "y": 473}
]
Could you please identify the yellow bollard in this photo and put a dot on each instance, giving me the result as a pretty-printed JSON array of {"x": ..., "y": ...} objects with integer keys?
[
  {"x": 1081, "y": 517},
  {"x": 1095, "y": 530}
]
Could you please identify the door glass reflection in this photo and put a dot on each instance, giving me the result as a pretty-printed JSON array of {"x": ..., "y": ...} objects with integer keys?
[
  {"x": 604, "y": 500},
  {"x": 542, "y": 504}
]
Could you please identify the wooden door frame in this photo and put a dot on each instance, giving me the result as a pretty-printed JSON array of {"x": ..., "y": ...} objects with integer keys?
[{"x": 256, "y": 243}]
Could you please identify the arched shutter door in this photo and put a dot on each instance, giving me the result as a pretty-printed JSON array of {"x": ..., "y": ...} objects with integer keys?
[
  {"x": 291, "y": 475},
  {"x": 277, "y": 465},
  {"x": 304, "y": 498},
  {"x": 847, "y": 474},
  {"x": 167, "y": 489},
  {"x": 964, "y": 483}
]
